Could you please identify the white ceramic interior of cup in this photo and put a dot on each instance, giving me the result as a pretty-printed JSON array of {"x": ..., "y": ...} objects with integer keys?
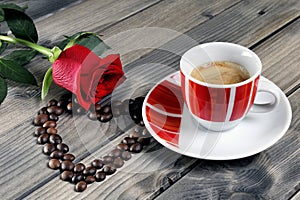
[{"x": 220, "y": 51}]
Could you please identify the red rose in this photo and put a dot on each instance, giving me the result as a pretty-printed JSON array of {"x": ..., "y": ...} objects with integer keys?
[{"x": 86, "y": 75}]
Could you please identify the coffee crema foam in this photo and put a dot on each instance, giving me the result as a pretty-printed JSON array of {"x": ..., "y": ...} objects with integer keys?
[{"x": 220, "y": 72}]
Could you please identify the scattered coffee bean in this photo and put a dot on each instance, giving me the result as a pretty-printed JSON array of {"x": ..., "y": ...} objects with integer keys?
[
  {"x": 43, "y": 111},
  {"x": 66, "y": 97},
  {"x": 69, "y": 156},
  {"x": 52, "y": 102},
  {"x": 49, "y": 148},
  {"x": 109, "y": 170},
  {"x": 144, "y": 140},
  {"x": 129, "y": 141},
  {"x": 100, "y": 176},
  {"x": 126, "y": 155},
  {"x": 54, "y": 163},
  {"x": 63, "y": 147},
  {"x": 115, "y": 153},
  {"x": 79, "y": 167},
  {"x": 133, "y": 134},
  {"x": 106, "y": 117},
  {"x": 57, "y": 154},
  {"x": 97, "y": 107},
  {"x": 97, "y": 163},
  {"x": 55, "y": 109},
  {"x": 136, "y": 148},
  {"x": 67, "y": 165},
  {"x": 77, "y": 177},
  {"x": 55, "y": 139},
  {"x": 39, "y": 131},
  {"x": 70, "y": 106},
  {"x": 40, "y": 119},
  {"x": 66, "y": 175},
  {"x": 92, "y": 116},
  {"x": 80, "y": 186},
  {"x": 49, "y": 124},
  {"x": 43, "y": 139},
  {"x": 51, "y": 130},
  {"x": 89, "y": 171},
  {"x": 118, "y": 162},
  {"x": 62, "y": 104},
  {"x": 107, "y": 159},
  {"x": 122, "y": 147},
  {"x": 141, "y": 123},
  {"x": 53, "y": 117},
  {"x": 90, "y": 179},
  {"x": 105, "y": 109}
]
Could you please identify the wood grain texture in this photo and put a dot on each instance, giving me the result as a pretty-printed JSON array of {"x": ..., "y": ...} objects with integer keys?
[
  {"x": 271, "y": 174},
  {"x": 160, "y": 166}
]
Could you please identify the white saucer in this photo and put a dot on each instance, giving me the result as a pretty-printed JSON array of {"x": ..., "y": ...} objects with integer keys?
[{"x": 171, "y": 124}]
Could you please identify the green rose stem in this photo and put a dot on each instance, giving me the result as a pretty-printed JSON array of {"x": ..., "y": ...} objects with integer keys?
[{"x": 52, "y": 55}]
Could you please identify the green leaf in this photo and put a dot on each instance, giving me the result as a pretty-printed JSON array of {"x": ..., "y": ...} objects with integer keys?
[
  {"x": 13, "y": 71},
  {"x": 3, "y": 89},
  {"x": 21, "y": 57},
  {"x": 13, "y": 6},
  {"x": 46, "y": 83},
  {"x": 1, "y": 14},
  {"x": 3, "y": 46},
  {"x": 21, "y": 25},
  {"x": 87, "y": 39}
]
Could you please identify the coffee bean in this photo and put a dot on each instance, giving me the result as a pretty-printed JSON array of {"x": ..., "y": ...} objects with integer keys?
[
  {"x": 40, "y": 119},
  {"x": 79, "y": 167},
  {"x": 67, "y": 165},
  {"x": 92, "y": 116},
  {"x": 106, "y": 117},
  {"x": 80, "y": 186},
  {"x": 141, "y": 123},
  {"x": 63, "y": 147},
  {"x": 136, "y": 148},
  {"x": 43, "y": 111},
  {"x": 115, "y": 153},
  {"x": 97, "y": 107},
  {"x": 69, "y": 156},
  {"x": 55, "y": 109},
  {"x": 77, "y": 178},
  {"x": 144, "y": 140},
  {"x": 66, "y": 175},
  {"x": 133, "y": 134},
  {"x": 43, "y": 139},
  {"x": 89, "y": 171},
  {"x": 126, "y": 155},
  {"x": 90, "y": 179},
  {"x": 49, "y": 148},
  {"x": 55, "y": 139},
  {"x": 70, "y": 106},
  {"x": 105, "y": 109},
  {"x": 49, "y": 124},
  {"x": 107, "y": 159},
  {"x": 129, "y": 141},
  {"x": 109, "y": 170},
  {"x": 122, "y": 147},
  {"x": 66, "y": 97},
  {"x": 53, "y": 117},
  {"x": 62, "y": 104},
  {"x": 57, "y": 154},
  {"x": 51, "y": 130},
  {"x": 54, "y": 163},
  {"x": 118, "y": 162},
  {"x": 100, "y": 176},
  {"x": 97, "y": 163},
  {"x": 52, "y": 102},
  {"x": 39, "y": 131}
]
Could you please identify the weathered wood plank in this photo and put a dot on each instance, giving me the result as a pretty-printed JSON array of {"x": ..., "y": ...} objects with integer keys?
[
  {"x": 272, "y": 174},
  {"x": 149, "y": 174},
  {"x": 296, "y": 197}
]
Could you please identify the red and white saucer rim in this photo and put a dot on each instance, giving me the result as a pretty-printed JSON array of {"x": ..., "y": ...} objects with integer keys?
[{"x": 171, "y": 124}]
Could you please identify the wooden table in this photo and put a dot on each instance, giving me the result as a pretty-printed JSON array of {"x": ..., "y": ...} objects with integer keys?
[{"x": 270, "y": 28}]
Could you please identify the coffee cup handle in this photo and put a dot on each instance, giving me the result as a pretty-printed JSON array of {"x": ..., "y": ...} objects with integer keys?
[{"x": 267, "y": 98}]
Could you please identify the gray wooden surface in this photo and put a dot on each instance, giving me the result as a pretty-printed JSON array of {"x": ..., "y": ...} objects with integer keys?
[{"x": 270, "y": 28}]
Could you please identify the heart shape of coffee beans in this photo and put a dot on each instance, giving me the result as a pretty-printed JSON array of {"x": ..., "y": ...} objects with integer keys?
[{"x": 61, "y": 159}]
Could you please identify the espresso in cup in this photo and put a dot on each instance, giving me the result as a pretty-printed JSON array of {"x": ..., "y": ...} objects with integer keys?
[{"x": 220, "y": 72}]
